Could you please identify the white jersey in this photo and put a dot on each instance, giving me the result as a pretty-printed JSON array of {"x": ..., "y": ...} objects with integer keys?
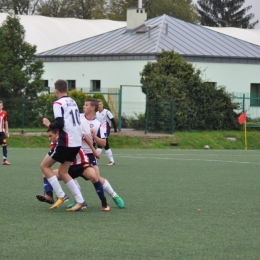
[
  {"x": 86, "y": 125},
  {"x": 70, "y": 135},
  {"x": 104, "y": 118}
]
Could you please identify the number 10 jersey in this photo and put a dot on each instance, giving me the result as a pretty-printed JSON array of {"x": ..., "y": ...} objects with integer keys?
[{"x": 70, "y": 134}]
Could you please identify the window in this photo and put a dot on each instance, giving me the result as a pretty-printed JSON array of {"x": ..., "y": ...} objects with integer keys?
[
  {"x": 71, "y": 84},
  {"x": 255, "y": 94},
  {"x": 46, "y": 85},
  {"x": 95, "y": 85}
]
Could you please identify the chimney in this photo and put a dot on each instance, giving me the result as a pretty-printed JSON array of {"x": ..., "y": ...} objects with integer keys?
[{"x": 136, "y": 16}]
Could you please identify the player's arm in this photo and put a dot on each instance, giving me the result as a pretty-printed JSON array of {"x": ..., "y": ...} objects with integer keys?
[
  {"x": 113, "y": 121},
  {"x": 58, "y": 124},
  {"x": 100, "y": 141},
  {"x": 90, "y": 144},
  {"x": 6, "y": 128}
]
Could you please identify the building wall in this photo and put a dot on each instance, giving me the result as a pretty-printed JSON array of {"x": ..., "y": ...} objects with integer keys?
[
  {"x": 111, "y": 73},
  {"x": 236, "y": 77}
]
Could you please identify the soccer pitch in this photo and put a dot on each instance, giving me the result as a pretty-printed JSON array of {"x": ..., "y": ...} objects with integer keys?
[{"x": 180, "y": 204}]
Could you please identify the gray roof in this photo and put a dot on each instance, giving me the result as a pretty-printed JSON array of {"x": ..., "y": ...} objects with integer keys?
[{"x": 193, "y": 42}]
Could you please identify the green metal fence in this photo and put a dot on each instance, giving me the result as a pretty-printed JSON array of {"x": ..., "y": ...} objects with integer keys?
[{"x": 250, "y": 105}]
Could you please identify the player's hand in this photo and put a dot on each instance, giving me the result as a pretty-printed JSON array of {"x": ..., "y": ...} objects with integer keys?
[
  {"x": 96, "y": 154},
  {"x": 46, "y": 121},
  {"x": 6, "y": 133},
  {"x": 115, "y": 133}
]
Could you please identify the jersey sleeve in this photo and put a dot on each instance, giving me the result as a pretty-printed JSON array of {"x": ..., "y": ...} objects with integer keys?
[
  {"x": 5, "y": 117},
  {"x": 57, "y": 109},
  {"x": 109, "y": 115},
  {"x": 101, "y": 132}
]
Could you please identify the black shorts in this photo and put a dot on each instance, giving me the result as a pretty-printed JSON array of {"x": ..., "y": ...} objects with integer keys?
[
  {"x": 62, "y": 154},
  {"x": 76, "y": 171},
  {"x": 92, "y": 159},
  {"x": 2, "y": 138}
]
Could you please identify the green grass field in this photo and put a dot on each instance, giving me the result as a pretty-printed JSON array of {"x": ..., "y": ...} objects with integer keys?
[{"x": 180, "y": 204}]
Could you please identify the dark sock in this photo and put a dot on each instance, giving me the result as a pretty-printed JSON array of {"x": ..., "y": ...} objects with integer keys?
[
  {"x": 4, "y": 153},
  {"x": 47, "y": 187},
  {"x": 99, "y": 190}
]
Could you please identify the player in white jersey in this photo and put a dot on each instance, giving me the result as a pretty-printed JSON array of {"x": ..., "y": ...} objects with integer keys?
[
  {"x": 66, "y": 114},
  {"x": 93, "y": 132},
  {"x": 106, "y": 118}
]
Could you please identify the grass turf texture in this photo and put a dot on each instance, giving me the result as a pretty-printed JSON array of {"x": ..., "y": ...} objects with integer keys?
[
  {"x": 185, "y": 140},
  {"x": 180, "y": 204}
]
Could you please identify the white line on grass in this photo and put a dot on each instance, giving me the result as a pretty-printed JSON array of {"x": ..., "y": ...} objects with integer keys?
[{"x": 179, "y": 159}]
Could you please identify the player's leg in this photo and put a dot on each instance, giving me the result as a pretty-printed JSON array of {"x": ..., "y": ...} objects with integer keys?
[
  {"x": 4, "y": 147},
  {"x": 99, "y": 149},
  {"x": 48, "y": 190},
  {"x": 109, "y": 189},
  {"x": 109, "y": 154},
  {"x": 63, "y": 173},
  {"x": 90, "y": 174},
  {"x": 51, "y": 177}
]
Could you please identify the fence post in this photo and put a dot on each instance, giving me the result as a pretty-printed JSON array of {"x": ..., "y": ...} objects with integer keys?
[
  {"x": 120, "y": 109},
  {"x": 172, "y": 116},
  {"x": 22, "y": 131},
  {"x": 243, "y": 102}
]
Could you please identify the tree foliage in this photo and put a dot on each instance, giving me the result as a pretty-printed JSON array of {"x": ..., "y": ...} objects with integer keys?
[
  {"x": 197, "y": 104},
  {"x": 20, "y": 73},
  {"x": 82, "y": 9},
  {"x": 225, "y": 13},
  {"x": 182, "y": 9}
]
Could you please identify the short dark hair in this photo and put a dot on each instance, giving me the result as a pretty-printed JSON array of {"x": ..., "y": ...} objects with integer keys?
[
  {"x": 54, "y": 130},
  {"x": 93, "y": 102},
  {"x": 61, "y": 85}
]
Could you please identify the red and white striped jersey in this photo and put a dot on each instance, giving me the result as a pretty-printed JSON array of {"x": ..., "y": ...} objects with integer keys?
[
  {"x": 3, "y": 119},
  {"x": 67, "y": 108},
  {"x": 104, "y": 118},
  {"x": 80, "y": 158},
  {"x": 86, "y": 125}
]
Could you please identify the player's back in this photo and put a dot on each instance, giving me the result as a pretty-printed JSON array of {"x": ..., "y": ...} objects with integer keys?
[{"x": 70, "y": 135}]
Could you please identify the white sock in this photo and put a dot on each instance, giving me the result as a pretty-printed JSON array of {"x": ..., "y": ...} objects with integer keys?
[
  {"x": 77, "y": 184},
  {"x": 75, "y": 191},
  {"x": 99, "y": 150},
  {"x": 108, "y": 189},
  {"x": 109, "y": 155},
  {"x": 56, "y": 186}
]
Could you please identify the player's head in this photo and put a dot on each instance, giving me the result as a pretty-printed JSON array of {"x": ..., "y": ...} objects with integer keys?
[
  {"x": 90, "y": 106},
  {"x": 1, "y": 105},
  {"x": 100, "y": 105},
  {"x": 61, "y": 87},
  {"x": 53, "y": 134}
]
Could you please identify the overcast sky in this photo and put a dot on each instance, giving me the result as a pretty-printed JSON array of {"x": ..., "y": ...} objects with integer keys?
[{"x": 255, "y": 10}]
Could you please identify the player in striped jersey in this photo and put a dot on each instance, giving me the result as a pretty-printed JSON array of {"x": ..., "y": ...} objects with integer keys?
[
  {"x": 94, "y": 133},
  {"x": 80, "y": 167},
  {"x": 3, "y": 132}
]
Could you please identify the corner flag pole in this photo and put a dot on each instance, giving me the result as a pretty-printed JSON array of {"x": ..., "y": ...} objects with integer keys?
[{"x": 245, "y": 135}]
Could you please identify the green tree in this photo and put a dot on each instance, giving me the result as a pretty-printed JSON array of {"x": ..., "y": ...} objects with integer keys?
[
  {"x": 20, "y": 73},
  {"x": 182, "y": 9},
  {"x": 82, "y": 9},
  {"x": 228, "y": 13},
  {"x": 197, "y": 105},
  {"x": 18, "y": 6}
]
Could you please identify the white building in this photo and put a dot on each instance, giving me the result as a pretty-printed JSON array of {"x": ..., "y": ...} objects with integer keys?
[{"x": 107, "y": 61}]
